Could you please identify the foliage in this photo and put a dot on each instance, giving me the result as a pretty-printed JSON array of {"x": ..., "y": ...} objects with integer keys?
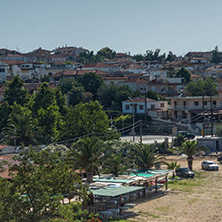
[
  {"x": 219, "y": 131},
  {"x": 15, "y": 92},
  {"x": 202, "y": 88},
  {"x": 173, "y": 166},
  {"x": 183, "y": 73},
  {"x": 146, "y": 156},
  {"x": 170, "y": 57},
  {"x": 88, "y": 154},
  {"x": 179, "y": 140},
  {"x": 91, "y": 82},
  {"x": 36, "y": 188},
  {"x": 171, "y": 72},
  {"x": 216, "y": 56},
  {"x": 67, "y": 84},
  {"x": 45, "y": 78},
  {"x": 84, "y": 119},
  {"x": 20, "y": 129},
  {"x": 106, "y": 53},
  {"x": 89, "y": 57},
  {"x": 117, "y": 164},
  {"x": 138, "y": 57},
  {"x": 191, "y": 148},
  {"x": 76, "y": 95},
  {"x": 153, "y": 95},
  {"x": 5, "y": 110},
  {"x": 154, "y": 55}
]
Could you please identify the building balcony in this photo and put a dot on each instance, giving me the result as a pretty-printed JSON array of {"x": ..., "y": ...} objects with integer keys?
[{"x": 192, "y": 108}]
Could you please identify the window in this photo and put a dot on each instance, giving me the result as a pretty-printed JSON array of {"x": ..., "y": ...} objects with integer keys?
[
  {"x": 152, "y": 106},
  {"x": 214, "y": 102},
  {"x": 184, "y": 103},
  {"x": 127, "y": 107},
  {"x": 2, "y": 70},
  {"x": 196, "y": 103},
  {"x": 205, "y": 103},
  {"x": 161, "y": 104},
  {"x": 141, "y": 107}
]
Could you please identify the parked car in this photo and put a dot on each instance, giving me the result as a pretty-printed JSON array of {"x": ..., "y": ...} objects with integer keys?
[
  {"x": 186, "y": 134},
  {"x": 184, "y": 172},
  {"x": 219, "y": 158},
  {"x": 209, "y": 165}
]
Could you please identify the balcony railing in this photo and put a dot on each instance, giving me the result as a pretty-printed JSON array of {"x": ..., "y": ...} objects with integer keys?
[{"x": 195, "y": 107}]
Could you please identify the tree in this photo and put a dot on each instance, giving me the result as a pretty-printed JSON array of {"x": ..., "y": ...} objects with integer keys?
[
  {"x": 146, "y": 156},
  {"x": 36, "y": 188},
  {"x": 20, "y": 129},
  {"x": 171, "y": 72},
  {"x": 117, "y": 165},
  {"x": 89, "y": 57},
  {"x": 85, "y": 118},
  {"x": 67, "y": 84},
  {"x": 5, "y": 110},
  {"x": 153, "y": 95},
  {"x": 88, "y": 154},
  {"x": 61, "y": 101},
  {"x": 91, "y": 82},
  {"x": 219, "y": 131},
  {"x": 154, "y": 55},
  {"x": 173, "y": 166},
  {"x": 216, "y": 56},
  {"x": 45, "y": 78},
  {"x": 15, "y": 92},
  {"x": 184, "y": 73},
  {"x": 106, "y": 53},
  {"x": 202, "y": 88},
  {"x": 191, "y": 148},
  {"x": 138, "y": 57},
  {"x": 76, "y": 95},
  {"x": 170, "y": 57},
  {"x": 45, "y": 112}
]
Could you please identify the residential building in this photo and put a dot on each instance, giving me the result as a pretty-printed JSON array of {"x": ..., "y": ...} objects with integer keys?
[
  {"x": 140, "y": 105},
  {"x": 3, "y": 72},
  {"x": 192, "y": 109}
]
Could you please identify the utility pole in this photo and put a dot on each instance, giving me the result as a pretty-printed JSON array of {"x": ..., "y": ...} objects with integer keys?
[
  {"x": 203, "y": 133},
  {"x": 145, "y": 104},
  {"x": 212, "y": 120},
  {"x": 141, "y": 133},
  {"x": 133, "y": 119}
]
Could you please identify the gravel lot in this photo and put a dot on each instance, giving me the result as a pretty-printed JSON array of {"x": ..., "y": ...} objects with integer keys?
[{"x": 196, "y": 200}]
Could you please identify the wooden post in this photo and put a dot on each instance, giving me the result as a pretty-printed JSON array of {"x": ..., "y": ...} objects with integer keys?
[
  {"x": 166, "y": 182},
  {"x": 120, "y": 200},
  {"x": 156, "y": 184}
]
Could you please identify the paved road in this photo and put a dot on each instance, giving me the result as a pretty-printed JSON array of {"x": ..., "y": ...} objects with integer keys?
[{"x": 148, "y": 139}]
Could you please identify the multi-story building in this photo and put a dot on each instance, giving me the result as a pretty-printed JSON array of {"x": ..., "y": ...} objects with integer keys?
[{"x": 194, "y": 109}]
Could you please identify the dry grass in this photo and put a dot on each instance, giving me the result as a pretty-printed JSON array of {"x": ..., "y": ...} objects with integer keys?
[{"x": 190, "y": 200}]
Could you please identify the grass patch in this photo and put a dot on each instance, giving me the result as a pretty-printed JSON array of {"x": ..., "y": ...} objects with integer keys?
[
  {"x": 187, "y": 185},
  {"x": 164, "y": 209},
  {"x": 148, "y": 214},
  {"x": 192, "y": 201}
]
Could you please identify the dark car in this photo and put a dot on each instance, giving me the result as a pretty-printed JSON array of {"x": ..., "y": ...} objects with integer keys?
[
  {"x": 186, "y": 134},
  {"x": 184, "y": 172},
  {"x": 219, "y": 158}
]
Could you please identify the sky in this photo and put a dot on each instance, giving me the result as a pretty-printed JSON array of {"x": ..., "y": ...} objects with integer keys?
[{"x": 123, "y": 25}]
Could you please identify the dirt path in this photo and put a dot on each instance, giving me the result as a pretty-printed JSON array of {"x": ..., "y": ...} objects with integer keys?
[{"x": 194, "y": 200}]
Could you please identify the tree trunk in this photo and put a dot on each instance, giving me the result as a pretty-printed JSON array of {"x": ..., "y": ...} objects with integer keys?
[
  {"x": 190, "y": 162},
  {"x": 89, "y": 177},
  {"x": 173, "y": 175}
]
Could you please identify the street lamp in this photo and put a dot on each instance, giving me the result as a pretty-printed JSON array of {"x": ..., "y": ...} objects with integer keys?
[{"x": 133, "y": 119}]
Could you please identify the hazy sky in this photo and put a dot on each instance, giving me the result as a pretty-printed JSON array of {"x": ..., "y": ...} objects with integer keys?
[{"x": 123, "y": 25}]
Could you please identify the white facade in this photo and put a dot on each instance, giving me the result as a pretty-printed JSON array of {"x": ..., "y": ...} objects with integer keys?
[{"x": 3, "y": 72}]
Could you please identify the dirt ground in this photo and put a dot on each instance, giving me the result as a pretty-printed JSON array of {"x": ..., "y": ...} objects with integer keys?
[{"x": 196, "y": 200}]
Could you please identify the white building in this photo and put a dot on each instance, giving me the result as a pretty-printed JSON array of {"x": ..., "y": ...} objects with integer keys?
[
  {"x": 156, "y": 109},
  {"x": 3, "y": 72}
]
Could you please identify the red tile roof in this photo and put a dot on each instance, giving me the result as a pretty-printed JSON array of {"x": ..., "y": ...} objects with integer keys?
[{"x": 139, "y": 100}]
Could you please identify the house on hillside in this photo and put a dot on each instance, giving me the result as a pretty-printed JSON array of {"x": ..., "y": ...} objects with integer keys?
[
  {"x": 141, "y": 105},
  {"x": 194, "y": 109}
]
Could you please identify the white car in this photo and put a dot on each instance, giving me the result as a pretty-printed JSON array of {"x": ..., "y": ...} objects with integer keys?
[{"x": 209, "y": 165}]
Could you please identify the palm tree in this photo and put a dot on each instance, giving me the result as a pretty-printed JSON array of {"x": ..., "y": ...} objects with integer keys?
[
  {"x": 191, "y": 148},
  {"x": 117, "y": 165},
  {"x": 20, "y": 130},
  {"x": 88, "y": 154},
  {"x": 173, "y": 166},
  {"x": 146, "y": 156}
]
